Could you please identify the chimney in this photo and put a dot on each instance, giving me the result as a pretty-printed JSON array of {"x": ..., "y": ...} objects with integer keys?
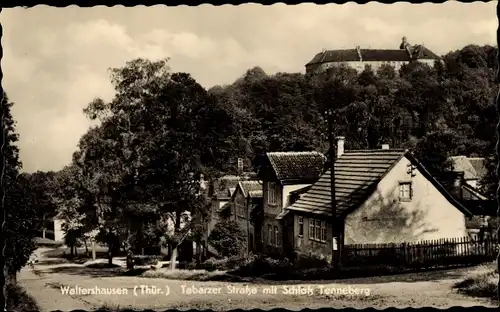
[
  {"x": 340, "y": 146},
  {"x": 385, "y": 146},
  {"x": 240, "y": 166},
  {"x": 404, "y": 43},
  {"x": 457, "y": 181},
  {"x": 358, "y": 49}
]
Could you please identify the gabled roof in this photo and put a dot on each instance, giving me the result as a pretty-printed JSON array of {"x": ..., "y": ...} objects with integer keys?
[
  {"x": 252, "y": 189},
  {"x": 479, "y": 165},
  {"x": 297, "y": 166},
  {"x": 380, "y": 55},
  {"x": 224, "y": 187},
  {"x": 471, "y": 193},
  {"x": 301, "y": 190},
  {"x": 357, "y": 174},
  {"x": 474, "y": 168}
]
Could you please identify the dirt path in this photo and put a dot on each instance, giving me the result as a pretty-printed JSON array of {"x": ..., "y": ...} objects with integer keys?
[{"x": 402, "y": 291}]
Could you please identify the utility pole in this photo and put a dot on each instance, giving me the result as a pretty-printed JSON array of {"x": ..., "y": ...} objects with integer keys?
[{"x": 335, "y": 225}]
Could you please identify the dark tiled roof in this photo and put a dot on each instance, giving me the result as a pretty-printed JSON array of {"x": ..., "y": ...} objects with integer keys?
[
  {"x": 385, "y": 55},
  {"x": 380, "y": 55},
  {"x": 252, "y": 189},
  {"x": 424, "y": 53},
  {"x": 304, "y": 166},
  {"x": 223, "y": 185},
  {"x": 350, "y": 55},
  {"x": 357, "y": 174}
]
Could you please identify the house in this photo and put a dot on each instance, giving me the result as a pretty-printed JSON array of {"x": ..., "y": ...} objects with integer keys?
[
  {"x": 358, "y": 58},
  {"x": 283, "y": 173},
  {"x": 473, "y": 168},
  {"x": 220, "y": 193},
  {"x": 382, "y": 196},
  {"x": 246, "y": 203},
  {"x": 480, "y": 226}
]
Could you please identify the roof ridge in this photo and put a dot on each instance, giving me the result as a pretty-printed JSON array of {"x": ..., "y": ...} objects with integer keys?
[
  {"x": 376, "y": 150},
  {"x": 295, "y": 152}
]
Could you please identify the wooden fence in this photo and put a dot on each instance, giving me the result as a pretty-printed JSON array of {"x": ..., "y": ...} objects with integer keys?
[{"x": 441, "y": 252}]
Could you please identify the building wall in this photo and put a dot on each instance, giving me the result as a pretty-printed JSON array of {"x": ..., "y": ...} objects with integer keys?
[
  {"x": 58, "y": 232},
  {"x": 360, "y": 65},
  {"x": 271, "y": 211},
  {"x": 214, "y": 215},
  {"x": 305, "y": 245},
  {"x": 240, "y": 206},
  {"x": 287, "y": 189},
  {"x": 384, "y": 219}
]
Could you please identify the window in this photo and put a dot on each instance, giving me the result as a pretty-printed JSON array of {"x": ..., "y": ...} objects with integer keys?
[
  {"x": 323, "y": 231},
  {"x": 270, "y": 234},
  {"x": 317, "y": 230},
  {"x": 276, "y": 236},
  {"x": 240, "y": 210},
  {"x": 311, "y": 229},
  {"x": 301, "y": 226},
  {"x": 271, "y": 193},
  {"x": 405, "y": 191}
]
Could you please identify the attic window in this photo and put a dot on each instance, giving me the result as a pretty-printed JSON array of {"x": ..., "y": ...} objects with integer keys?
[{"x": 405, "y": 191}]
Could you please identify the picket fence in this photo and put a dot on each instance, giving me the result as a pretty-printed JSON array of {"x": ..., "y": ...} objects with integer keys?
[{"x": 440, "y": 252}]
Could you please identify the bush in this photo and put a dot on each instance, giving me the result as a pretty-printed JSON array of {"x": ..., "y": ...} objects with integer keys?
[
  {"x": 189, "y": 275},
  {"x": 147, "y": 260},
  {"x": 227, "y": 263},
  {"x": 303, "y": 261},
  {"x": 259, "y": 265},
  {"x": 18, "y": 300},
  {"x": 227, "y": 238},
  {"x": 45, "y": 242}
]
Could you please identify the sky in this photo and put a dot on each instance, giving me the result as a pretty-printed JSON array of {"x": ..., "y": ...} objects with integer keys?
[{"x": 56, "y": 60}]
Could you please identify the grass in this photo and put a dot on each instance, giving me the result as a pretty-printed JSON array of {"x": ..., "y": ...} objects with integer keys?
[
  {"x": 18, "y": 300},
  {"x": 45, "y": 242},
  {"x": 102, "y": 265},
  {"x": 189, "y": 275},
  {"x": 483, "y": 285}
]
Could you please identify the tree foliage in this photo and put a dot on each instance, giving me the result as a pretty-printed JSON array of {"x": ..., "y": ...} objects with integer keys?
[
  {"x": 227, "y": 238},
  {"x": 136, "y": 176},
  {"x": 18, "y": 201}
]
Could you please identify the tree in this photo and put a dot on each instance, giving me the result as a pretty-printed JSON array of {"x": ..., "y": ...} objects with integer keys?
[
  {"x": 227, "y": 238},
  {"x": 142, "y": 156},
  {"x": 42, "y": 184},
  {"x": 18, "y": 201}
]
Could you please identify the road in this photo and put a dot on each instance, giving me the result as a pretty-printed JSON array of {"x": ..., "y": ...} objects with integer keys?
[{"x": 411, "y": 290}]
